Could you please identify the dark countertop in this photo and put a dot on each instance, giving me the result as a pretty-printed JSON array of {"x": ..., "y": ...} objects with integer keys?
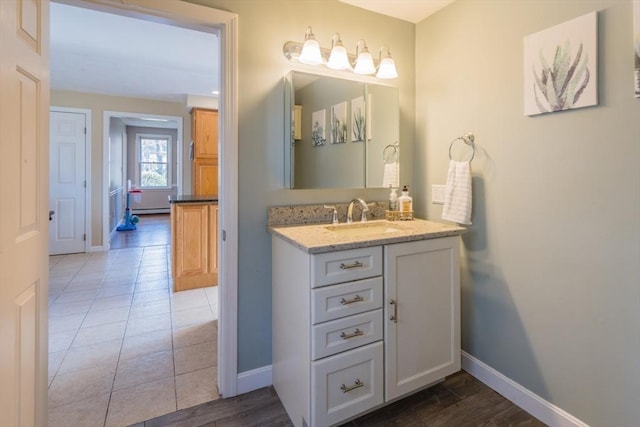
[{"x": 194, "y": 199}]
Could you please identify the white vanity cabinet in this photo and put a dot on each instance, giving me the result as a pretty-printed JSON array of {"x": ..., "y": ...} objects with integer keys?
[
  {"x": 355, "y": 329},
  {"x": 422, "y": 312}
]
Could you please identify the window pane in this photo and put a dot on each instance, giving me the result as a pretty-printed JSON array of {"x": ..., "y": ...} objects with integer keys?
[
  {"x": 153, "y": 150},
  {"x": 154, "y": 157},
  {"x": 153, "y": 174}
]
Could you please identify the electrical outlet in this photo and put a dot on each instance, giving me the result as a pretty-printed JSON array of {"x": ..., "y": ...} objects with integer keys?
[{"x": 437, "y": 194}]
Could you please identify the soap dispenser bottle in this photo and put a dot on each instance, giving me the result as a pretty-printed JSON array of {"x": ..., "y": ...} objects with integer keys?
[
  {"x": 393, "y": 199},
  {"x": 405, "y": 204}
]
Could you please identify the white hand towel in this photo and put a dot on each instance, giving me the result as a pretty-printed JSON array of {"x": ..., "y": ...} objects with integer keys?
[
  {"x": 457, "y": 197},
  {"x": 390, "y": 176}
]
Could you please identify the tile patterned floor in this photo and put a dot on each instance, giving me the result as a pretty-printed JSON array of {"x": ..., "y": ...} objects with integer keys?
[{"x": 124, "y": 347}]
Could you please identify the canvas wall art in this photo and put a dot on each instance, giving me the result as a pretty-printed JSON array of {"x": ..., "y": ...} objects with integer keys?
[
  {"x": 318, "y": 126},
  {"x": 339, "y": 123},
  {"x": 560, "y": 67},
  {"x": 358, "y": 121}
]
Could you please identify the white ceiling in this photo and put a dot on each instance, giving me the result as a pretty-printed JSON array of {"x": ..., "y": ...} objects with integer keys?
[
  {"x": 407, "y": 10},
  {"x": 99, "y": 52},
  {"x": 104, "y": 53}
]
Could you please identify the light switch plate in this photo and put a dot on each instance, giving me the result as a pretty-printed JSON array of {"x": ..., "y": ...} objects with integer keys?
[{"x": 437, "y": 194}]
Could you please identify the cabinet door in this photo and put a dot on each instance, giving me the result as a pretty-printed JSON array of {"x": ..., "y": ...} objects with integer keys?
[
  {"x": 205, "y": 177},
  {"x": 205, "y": 133},
  {"x": 191, "y": 246},
  {"x": 422, "y": 314}
]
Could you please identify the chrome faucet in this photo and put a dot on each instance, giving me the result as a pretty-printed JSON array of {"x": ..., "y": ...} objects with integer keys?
[
  {"x": 334, "y": 220},
  {"x": 365, "y": 209}
]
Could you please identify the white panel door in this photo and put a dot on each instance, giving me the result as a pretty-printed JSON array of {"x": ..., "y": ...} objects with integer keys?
[
  {"x": 67, "y": 142},
  {"x": 24, "y": 190},
  {"x": 422, "y": 314}
]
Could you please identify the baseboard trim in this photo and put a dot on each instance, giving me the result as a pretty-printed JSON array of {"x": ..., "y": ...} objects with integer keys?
[
  {"x": 97, "y": 248},
  {"x": 543, "y": 410},
  {"x": 254, "y": 379}
]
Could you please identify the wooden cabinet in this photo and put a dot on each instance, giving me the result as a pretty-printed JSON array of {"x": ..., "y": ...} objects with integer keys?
[
  {"x": 204, "y": 129},
  {"x": 422, "y": 312},
  {"x": 205, "y": 177},
  {"x": 194, "y": 260},
  {"x": 356, "y": 329}
]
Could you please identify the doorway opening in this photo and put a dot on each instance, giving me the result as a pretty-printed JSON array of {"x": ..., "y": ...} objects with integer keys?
[
  {"x": 225, "y": 25},
  {"x": 122, "y": 133}
]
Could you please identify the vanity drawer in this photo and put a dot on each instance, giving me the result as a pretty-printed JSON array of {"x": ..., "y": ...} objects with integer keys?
[
  {"x": 345, "y": 299},
  {"x": 344, "y": 334},
  {"x": 344, "y": 266},
  {"x": 346, "y": 384}
]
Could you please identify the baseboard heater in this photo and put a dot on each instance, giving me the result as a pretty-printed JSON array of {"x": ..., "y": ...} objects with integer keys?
[{"x": 150, "y": 211}]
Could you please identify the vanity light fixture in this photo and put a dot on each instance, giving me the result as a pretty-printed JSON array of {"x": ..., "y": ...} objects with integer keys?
[
  {"x": 364, "y": 60},
  {"x": 339, "y": 58},
  {"x": 387, "y": 66},
  {"x": 310, "y": 50},
  {"x": 311, "y": 53}
]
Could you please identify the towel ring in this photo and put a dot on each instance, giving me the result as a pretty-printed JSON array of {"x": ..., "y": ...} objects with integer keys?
[
  {"x": 390, "y": 153},
  {"x": 467, "y": 139}
]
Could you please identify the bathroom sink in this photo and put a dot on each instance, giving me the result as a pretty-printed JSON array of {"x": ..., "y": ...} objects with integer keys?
[{"x": 364, "y": 229}]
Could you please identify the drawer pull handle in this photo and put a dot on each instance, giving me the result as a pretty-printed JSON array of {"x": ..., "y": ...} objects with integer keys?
[
  {"x": 353, "y": 300},
  {"x": 394, "y": 316},
  {"x": 355, "y": 333},
  {"x": 355, "y": 385},
  {"x": 356, "y": 264}
]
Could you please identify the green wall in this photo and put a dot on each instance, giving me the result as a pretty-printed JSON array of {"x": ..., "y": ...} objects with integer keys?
[
  {"x": 264, "y": 27},
  {"x": 551, "y": 274},
  {"x": 551, "y": 264}
]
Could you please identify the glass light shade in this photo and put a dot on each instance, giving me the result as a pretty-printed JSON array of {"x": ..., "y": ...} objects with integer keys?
[
  {"x": 364, "y": 63},
  {"x": 387, "y": 69},
  {"x": 339, "y": 59},
  {"x": 311, "y": 53}
]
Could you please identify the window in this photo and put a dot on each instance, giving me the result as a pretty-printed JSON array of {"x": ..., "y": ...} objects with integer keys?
[{"x": 153, "y": 168}]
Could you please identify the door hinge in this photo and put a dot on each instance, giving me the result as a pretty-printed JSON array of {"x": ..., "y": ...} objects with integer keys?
[
  {"x": 224, "y": 236},
  {"x": 84, "y": 237},
  {"x": 85, "y": 130},
  {"x": 85, "y": 184}
]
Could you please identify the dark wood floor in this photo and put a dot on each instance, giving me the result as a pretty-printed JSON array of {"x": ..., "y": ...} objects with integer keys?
[
  {"x": 151, "y": 230},
  {"x": 459, "y": 401}
]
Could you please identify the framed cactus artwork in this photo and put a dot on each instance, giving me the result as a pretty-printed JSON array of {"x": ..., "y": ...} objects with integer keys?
[
  {"x": 560, "y": 67},
  {"x": 318, "y": 126},
  {"x": 339, "y": 123},
  {"x": 358, "y": 121}
]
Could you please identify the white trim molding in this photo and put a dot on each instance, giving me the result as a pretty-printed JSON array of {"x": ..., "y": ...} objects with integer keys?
[
  {"x": 254, "y": 379},
  {"x": 543, "y": 410}
]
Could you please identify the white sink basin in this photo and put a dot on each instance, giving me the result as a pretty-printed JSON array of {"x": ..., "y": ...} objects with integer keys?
[{"x": 363, "y": 229}]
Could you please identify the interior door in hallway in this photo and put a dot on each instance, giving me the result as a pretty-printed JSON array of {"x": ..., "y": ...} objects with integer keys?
[
  {"x": 67, "y": 142},
  {"x": 24, "y": 190}
]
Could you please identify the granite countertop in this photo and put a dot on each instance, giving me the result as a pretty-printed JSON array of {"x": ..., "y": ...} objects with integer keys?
[
  {"x": 318, "y": 238},
  {"x": 193, "y": 199}
]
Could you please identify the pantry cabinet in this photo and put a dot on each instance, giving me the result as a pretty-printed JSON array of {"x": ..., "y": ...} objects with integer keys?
[
  {"x": 204, "y": 129},
  {"x": 356, "y": 329}
]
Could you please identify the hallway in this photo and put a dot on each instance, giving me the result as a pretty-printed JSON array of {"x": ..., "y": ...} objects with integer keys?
[{"x": 123, "y": 347}]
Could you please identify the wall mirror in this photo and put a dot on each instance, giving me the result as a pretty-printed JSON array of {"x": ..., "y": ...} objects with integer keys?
[{"x": 340, "y": 133}]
